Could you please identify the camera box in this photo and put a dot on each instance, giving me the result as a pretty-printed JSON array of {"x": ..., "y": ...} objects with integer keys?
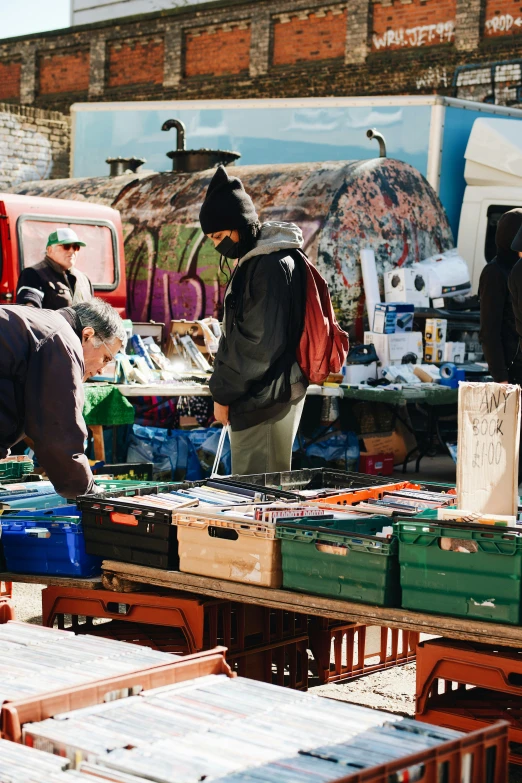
[
  {"x": 407, "y": 284},
  {"x": 392, "y": 348},
  {"x": 435, "y": 330},
  {"x": 393, "y": 317},
  {"x": 433, "y": 352},
  {"x": 455, "y": 352}
]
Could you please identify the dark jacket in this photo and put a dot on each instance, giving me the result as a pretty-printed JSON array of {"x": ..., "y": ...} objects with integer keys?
[
  {"x": 48, "y": 286},
  {"x": 498, "y": 333},
  {"x": 41, "y": 393},
  {"x": 255, "y": 371}
]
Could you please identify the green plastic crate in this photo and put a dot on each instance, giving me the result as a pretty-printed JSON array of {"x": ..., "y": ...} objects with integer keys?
[
  {"x": 14, "y": 469},
  {"x": 368, "y": 572},
  {"x": 484, "y": 584},
  {"x": 122, "y": 487}
]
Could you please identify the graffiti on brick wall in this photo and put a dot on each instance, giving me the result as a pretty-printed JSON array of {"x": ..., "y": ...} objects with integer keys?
[
  {"x": 433, "y": 78},
  {"x": 499, "y": 83},
  {"x": 503, "y": 23},
  {"x": 423, "y": 35}
]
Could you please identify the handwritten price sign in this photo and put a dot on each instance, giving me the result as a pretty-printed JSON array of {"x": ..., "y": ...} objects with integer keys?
[{"x": 487, "y": 464}]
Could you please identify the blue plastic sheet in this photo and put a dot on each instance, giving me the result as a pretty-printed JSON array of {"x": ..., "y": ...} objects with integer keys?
[{"x": 172, "y": 453}]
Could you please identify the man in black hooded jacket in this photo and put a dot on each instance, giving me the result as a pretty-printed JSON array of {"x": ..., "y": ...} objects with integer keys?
[
  {"x": 498, "y": 332},
  {"x": 257, "y": 384}
]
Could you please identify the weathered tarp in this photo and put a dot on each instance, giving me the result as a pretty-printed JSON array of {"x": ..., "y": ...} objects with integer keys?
[{"x": 172, "y": 270}]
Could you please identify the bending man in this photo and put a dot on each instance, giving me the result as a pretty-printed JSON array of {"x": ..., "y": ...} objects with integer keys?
[{"x": 44, "y": 358}]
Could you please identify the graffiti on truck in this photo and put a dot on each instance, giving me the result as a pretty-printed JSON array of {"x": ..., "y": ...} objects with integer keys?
[{"x": 173, "y": 269}]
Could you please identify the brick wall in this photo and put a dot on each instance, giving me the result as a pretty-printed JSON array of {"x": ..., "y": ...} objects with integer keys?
[
  {"x": 306, "y": 37},
  {"x": 139, "y": 61},
  {"x": 503, "y": 17},
  {"x": 63, "y": 72},
  {"x": 419, "y": 23},
  {"x": 9, "y": 80},
  {"x": 218, "y": 50},
  {"x": 34, "y": 144},
  {"x": 273, "y": 49}
]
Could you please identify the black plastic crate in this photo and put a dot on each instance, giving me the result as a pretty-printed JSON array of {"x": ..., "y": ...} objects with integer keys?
[{"x": 121, "y": 530}]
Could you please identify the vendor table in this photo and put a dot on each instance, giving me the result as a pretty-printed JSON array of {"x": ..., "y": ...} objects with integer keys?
[{"x": 116, "y": 575}]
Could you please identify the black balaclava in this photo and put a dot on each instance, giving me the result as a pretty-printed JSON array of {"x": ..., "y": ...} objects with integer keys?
[
  {"x": 508, "y": 227},
  {"x": 227, "y": 206}
]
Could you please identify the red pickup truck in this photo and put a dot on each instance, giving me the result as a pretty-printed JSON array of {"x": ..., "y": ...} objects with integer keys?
[{"x": 27, "y": 221}]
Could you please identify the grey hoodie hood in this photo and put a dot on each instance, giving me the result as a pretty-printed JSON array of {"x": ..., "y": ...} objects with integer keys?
[{"x": 275, "y": 236}]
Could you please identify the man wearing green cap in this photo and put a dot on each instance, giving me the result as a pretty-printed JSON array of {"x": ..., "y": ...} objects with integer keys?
[{"x": 54, "y": 282}]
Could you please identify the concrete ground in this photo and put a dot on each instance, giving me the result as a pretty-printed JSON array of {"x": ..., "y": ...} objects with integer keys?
[{"x": 392, "y": 690}]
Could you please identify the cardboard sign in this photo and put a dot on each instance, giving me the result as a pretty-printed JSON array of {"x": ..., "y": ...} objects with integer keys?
[{"x": 488, "y": 445}]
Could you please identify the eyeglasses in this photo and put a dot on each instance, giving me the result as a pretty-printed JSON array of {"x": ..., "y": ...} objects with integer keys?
[
  {"x": 74, "y": 247},
  {"x": 107, "y": 359}
]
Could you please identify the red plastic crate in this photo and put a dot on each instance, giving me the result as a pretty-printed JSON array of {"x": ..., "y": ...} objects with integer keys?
[
  {"x": 281, "y": 663},
  {"x": 14, "y": 714},
  {"x": 7, "y": 611},
  {"x": 344, "y": 651},
  {"x": 463, "y": 685},
  {"x": 6, "y": 589},
  {"x": 479, "y": 757}
]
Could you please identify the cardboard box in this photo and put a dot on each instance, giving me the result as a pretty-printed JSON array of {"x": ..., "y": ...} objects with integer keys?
[
  {"x": 393, "y": 317},
  {"x": 359, "y": 373},
  {"x": 435, "y": 330},
  {"x": 455, "y": 352},
  {"x": 433, "y": 352},
  {"x": 488, "y": 447},
  {"x": 399, "y": 443},
  {"x": 391, "y": 348},
  {"x": 407, "y": 284}
]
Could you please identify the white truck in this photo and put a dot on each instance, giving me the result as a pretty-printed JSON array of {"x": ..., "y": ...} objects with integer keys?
[{"x": 493, "y": 174}]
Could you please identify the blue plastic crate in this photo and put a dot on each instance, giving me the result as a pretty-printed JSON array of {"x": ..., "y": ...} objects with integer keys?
[
  {"x": 55, "y": 511},
  {"x": 30, "y": 496},
  {"x": 47, "y": 545}
]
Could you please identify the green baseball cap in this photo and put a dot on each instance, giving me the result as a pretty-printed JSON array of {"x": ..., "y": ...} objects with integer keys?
[{"x": 64, "y": 236}]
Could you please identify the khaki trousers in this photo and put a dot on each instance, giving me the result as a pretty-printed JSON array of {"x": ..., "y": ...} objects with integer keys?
[{"x": 267, "y": 447}]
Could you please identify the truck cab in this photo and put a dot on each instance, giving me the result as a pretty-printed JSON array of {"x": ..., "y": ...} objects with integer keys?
[
  {"x": 493, "y": 175},
  {"x": 27, "y": 221}
]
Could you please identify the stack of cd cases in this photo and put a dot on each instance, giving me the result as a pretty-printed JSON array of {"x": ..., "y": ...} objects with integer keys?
[
  {"x": 35, "y": 660},
  {"x": 231, "y": 730}
]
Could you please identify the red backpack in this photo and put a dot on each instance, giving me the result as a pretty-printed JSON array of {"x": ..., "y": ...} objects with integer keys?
[{"x": 323, "y": 347}]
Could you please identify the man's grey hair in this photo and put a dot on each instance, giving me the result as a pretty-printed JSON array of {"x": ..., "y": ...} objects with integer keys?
[{"x": 103, "y": 318}]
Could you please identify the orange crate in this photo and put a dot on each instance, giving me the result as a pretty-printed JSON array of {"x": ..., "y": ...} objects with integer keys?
[
  {"x": 6, "y": 610},
  {"x": 176, "y": 610},
  {"x": 359, "y": 495},
  {"x": 479, "y": 757},
  {"x": 446, "y": 668},
  {"x": 204, "y": 622},
  {"x": 15, "y": 713},
  {"x": 344, "y": 651},
  {"x": 6, "y": 589},
  {"x": 280, "y": 663}
]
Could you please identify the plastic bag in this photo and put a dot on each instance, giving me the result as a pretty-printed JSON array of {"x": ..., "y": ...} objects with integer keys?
[
  {"x": 207, "y": 452},
  {"x": 338, "y": 450},
  {"x": 171, "y": 452}
]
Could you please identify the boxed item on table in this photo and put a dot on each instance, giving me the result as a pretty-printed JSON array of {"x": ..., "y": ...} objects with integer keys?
[
  {"x": 455, "y": 352},
  {"x": 435, "y": 330},
  {"x": 393, "y": 348},
  {"x": 433, "y": 352},
  {"x": 407, "y": 284},
  {"x": 393, "y": 317},
  {"x": 46, "y": 545},
  {"x": 470, "y": 571},
  {"x": 376, "y": 464}
]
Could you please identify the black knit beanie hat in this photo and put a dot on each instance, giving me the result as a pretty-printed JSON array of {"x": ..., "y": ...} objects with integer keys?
[
  {"x": 517, "y": 242},
  {"x": 227, "y": 205},
  {"x": 507, "y": 228}
]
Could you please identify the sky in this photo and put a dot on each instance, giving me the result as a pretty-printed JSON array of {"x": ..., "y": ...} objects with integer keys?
[{"x": 21, "y": 17}]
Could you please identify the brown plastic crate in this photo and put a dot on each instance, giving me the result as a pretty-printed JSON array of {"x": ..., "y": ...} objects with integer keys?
[
  {"x": 280, "y": 663},
  {"x": 15, "y": 713},
  {"x": 344, "y": 651},
  {"x": 478, "y": 757},
  {"x": 446, "y": 668}
]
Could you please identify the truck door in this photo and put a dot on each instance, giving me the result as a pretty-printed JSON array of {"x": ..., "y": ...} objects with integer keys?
[
  {"x": 99, "y": 259},
  {"x": 485, "y": 247},
  {"x": 7, "y": 276}
]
